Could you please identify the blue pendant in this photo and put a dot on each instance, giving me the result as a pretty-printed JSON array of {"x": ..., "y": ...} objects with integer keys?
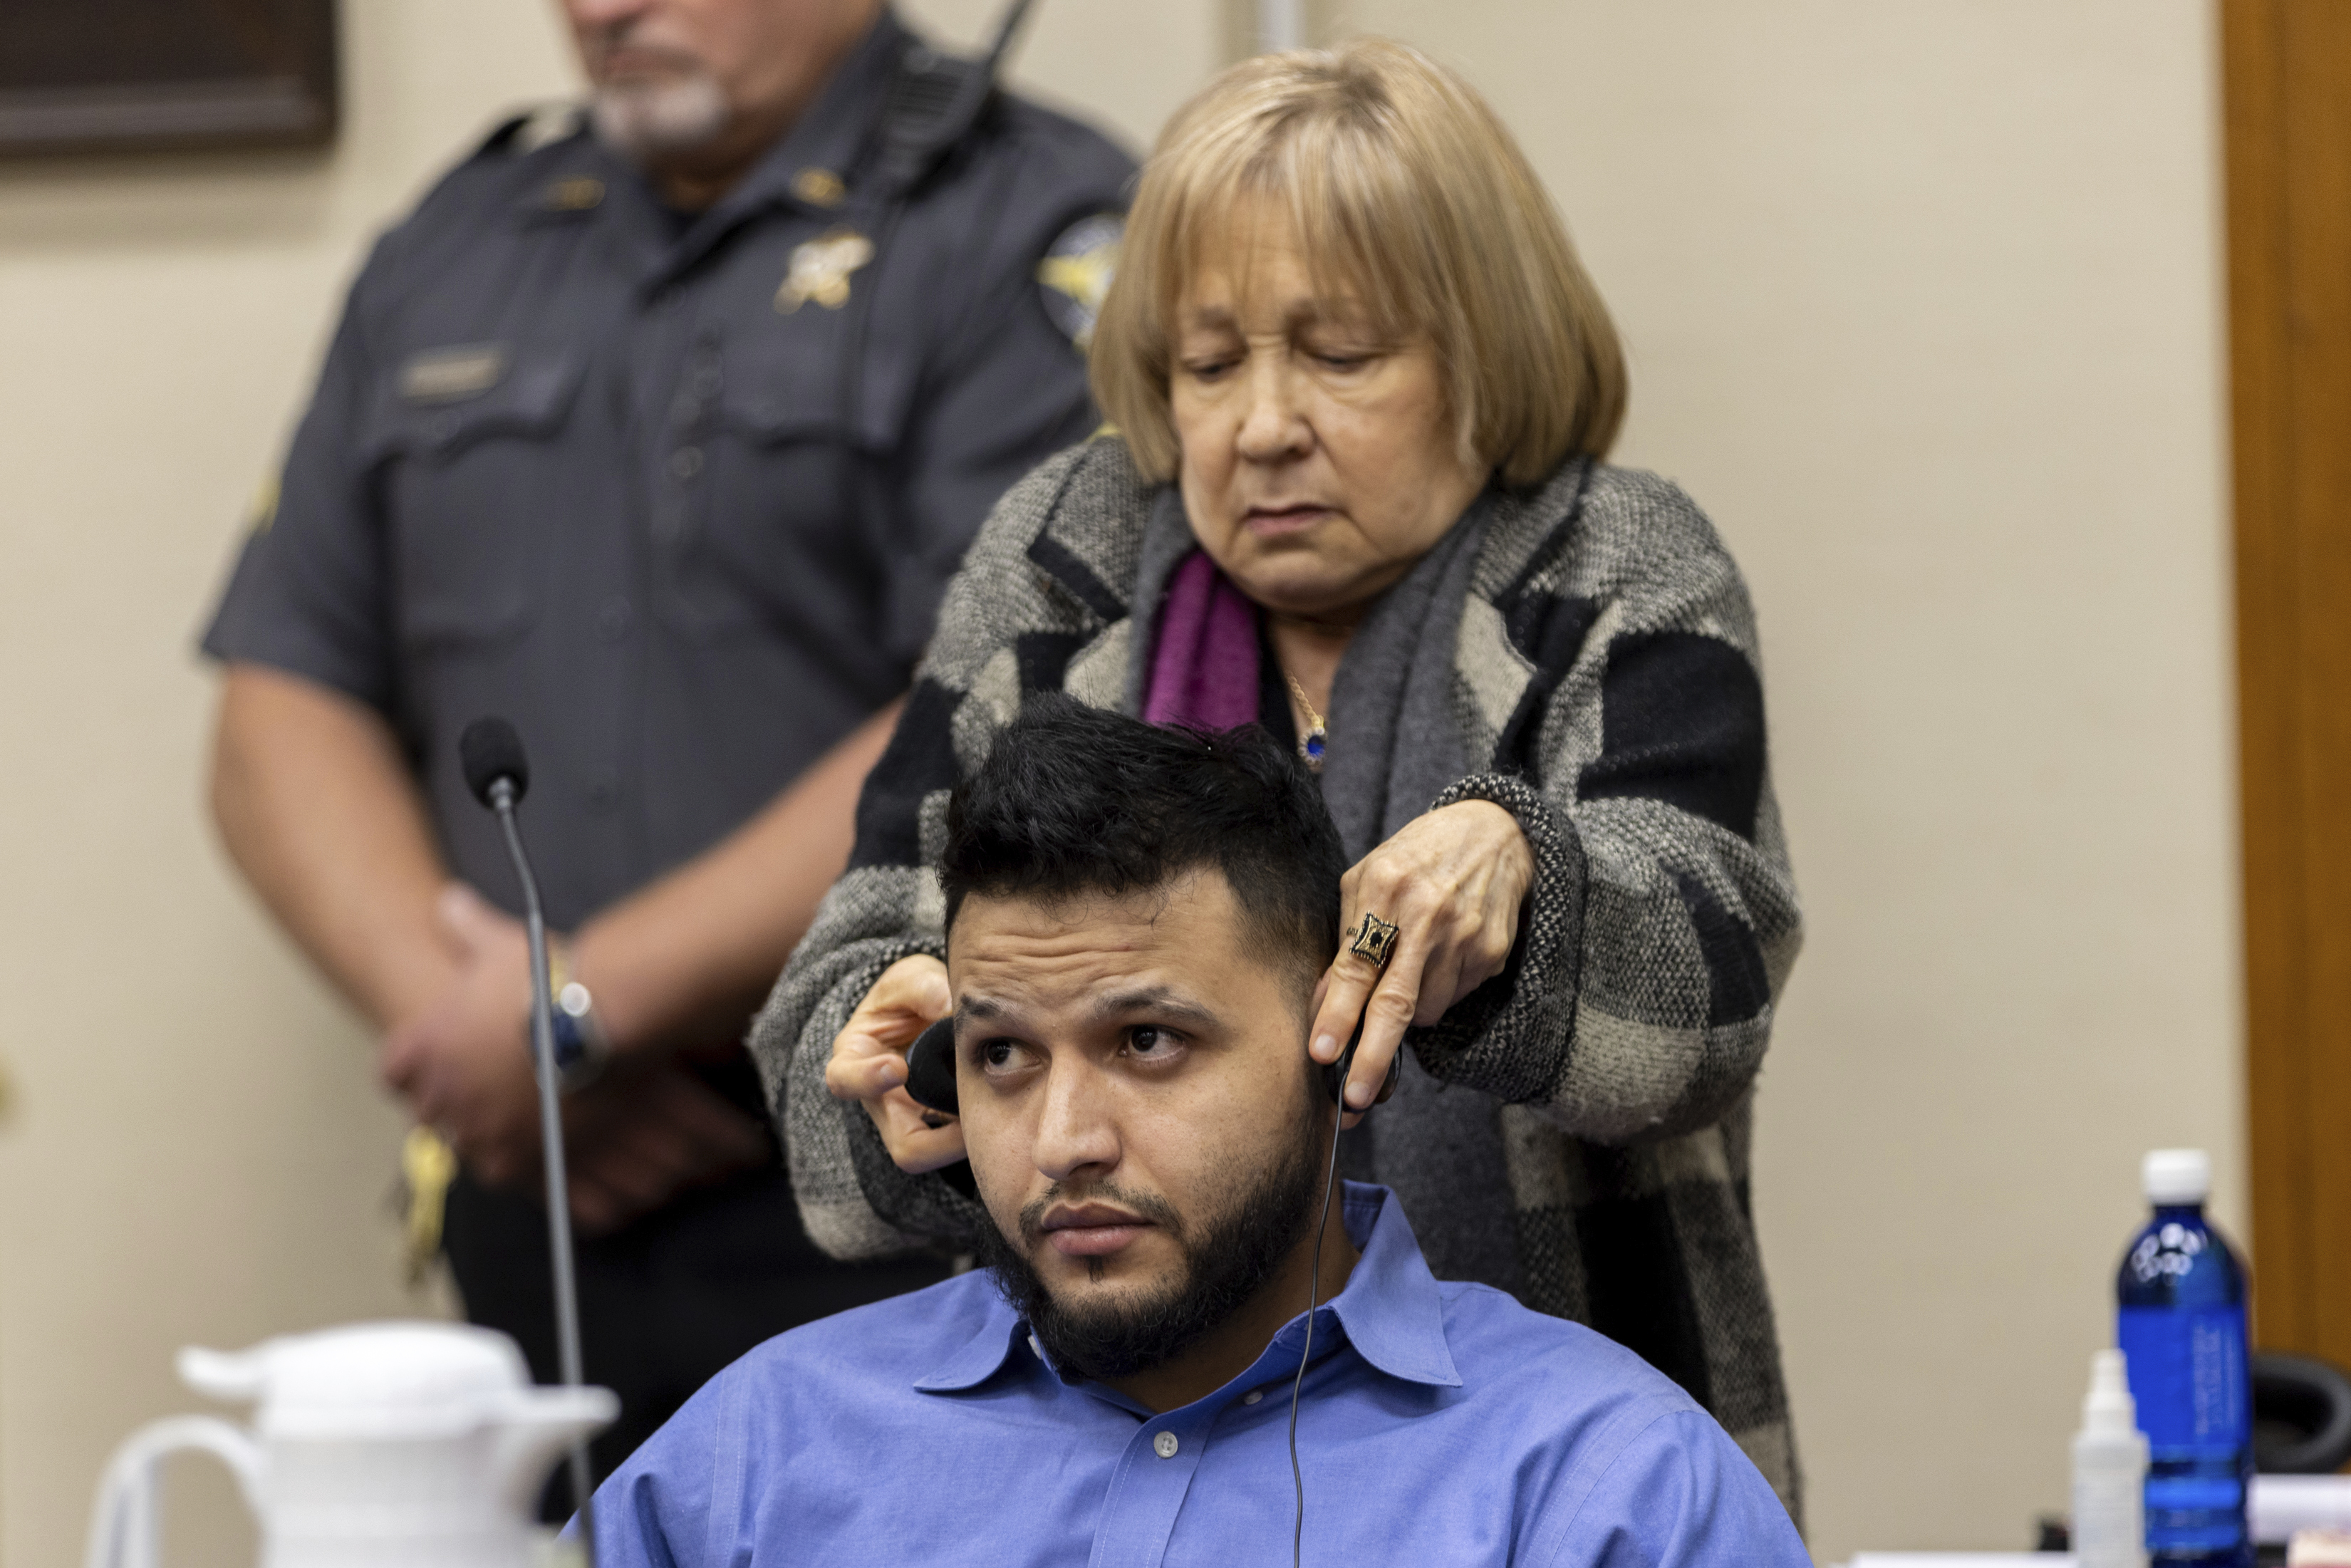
[{"x": 1311, "y": 749}]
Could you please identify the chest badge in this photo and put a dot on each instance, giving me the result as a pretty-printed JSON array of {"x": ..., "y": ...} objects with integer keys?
[{"x": 820, "y": 270}]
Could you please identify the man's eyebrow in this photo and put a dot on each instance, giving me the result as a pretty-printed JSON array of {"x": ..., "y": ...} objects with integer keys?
[
  {"x": 1109, "y": 1004},
  {"x": 1153, "y": 999}
]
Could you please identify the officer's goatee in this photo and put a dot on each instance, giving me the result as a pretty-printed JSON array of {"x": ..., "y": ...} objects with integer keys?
[{"x": 644, "y": 121}]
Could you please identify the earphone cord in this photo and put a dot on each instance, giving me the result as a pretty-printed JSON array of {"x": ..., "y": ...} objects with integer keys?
[{"x": 1313, "y": 1304}]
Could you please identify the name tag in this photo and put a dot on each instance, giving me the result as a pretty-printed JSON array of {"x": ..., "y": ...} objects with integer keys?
[{"x": 453, "y": 374}]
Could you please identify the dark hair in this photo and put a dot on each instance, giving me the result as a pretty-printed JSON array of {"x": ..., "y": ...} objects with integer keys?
[{"x": 1076, "y": 800}]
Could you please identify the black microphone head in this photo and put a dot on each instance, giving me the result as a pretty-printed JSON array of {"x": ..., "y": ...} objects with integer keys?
[{"x": 488, "y": 751}]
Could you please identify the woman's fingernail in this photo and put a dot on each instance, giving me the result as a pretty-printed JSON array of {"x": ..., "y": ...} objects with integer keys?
[
  {"x": 1326, "y": 1047},
  {"x": 1358, "y": 1096}
]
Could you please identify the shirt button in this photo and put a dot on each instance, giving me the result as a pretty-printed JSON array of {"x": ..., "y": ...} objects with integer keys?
[
  {"x": 1253, "y": 1396},
  {"x": 604, "y": 789},
  {"x": 1164, "y": 1445},
  {"x": 685, "y": 462},
  {"x": 612, "y": 621}
]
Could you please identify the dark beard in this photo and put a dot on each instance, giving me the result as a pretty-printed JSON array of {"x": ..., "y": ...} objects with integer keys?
[{"x": 1252, "y": 1230}]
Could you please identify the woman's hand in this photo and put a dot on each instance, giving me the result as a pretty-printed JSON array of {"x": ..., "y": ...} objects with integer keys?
[
  {"x": 869, "y": 1062},
  {"x": 1452, "y": 883}
]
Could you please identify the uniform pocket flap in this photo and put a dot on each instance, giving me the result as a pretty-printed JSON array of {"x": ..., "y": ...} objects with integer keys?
[
  {"x": 439, "y": 402},
  {"x": 794, "y": 391}
]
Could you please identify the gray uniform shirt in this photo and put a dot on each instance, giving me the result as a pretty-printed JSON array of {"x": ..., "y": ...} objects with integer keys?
[{"x": 604, "y": 469}]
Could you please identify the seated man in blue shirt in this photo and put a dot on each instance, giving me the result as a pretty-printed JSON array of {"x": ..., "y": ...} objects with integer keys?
[{"x": 1136, "y": 919}]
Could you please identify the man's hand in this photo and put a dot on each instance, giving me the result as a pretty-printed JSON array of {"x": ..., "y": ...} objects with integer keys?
[
  {"x": 868, "y": 1061},
  {"x": 644, "y": 1134},
  {"x": 464, "y": 1063},
  {"x": 641, "y": 1135},
  {"x": 1452, "y": 882}
]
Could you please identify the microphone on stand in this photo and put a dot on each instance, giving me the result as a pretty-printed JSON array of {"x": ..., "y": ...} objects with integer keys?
[{"x": 497, "y": 771}]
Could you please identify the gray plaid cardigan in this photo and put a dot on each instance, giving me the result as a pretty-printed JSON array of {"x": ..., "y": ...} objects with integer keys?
[{"x": 1575, "y": 1132}]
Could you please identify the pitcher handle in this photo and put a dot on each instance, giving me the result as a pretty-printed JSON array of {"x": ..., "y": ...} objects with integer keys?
[{"x": 126, "y": 1521}]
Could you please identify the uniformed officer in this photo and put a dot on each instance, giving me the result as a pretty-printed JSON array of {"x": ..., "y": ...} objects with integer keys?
[{"x": 659, "y": 434}]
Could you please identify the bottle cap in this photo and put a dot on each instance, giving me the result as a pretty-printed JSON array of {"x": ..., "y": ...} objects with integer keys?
[
  {"x": 2176, "y": 1176},
  {"x": 2108, "y": 1407}
]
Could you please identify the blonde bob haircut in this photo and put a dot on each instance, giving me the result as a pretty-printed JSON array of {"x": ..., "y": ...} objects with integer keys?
[{"x": 1409, "y": 198}]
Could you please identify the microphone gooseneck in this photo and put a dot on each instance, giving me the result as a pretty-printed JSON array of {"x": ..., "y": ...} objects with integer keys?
[{"x": 499, "y": 771}]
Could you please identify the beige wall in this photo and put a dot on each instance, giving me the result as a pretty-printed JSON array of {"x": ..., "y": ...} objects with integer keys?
[{"x": 1923, "y": 308}]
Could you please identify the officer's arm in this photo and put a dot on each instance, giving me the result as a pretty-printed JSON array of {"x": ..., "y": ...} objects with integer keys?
[
  {"x": 318, "y": 811},
  {"x": 688, "y": 958}
]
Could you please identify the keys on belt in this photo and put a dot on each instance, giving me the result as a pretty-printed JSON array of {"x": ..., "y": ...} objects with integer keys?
[{"x": 427, "y": 1165}]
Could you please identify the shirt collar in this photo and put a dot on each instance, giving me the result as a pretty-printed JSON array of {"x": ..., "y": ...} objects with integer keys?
[
  {"x": 979, "y": 1358},
  {"x": 1390, "y": 1310}
]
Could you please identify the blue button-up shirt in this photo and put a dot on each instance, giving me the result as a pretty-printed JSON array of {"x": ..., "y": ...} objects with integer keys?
[{"x": 1440, "y": 1423}]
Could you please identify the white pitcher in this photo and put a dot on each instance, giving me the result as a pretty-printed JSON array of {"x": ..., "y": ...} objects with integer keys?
[{"x": 396, "y": 1445}]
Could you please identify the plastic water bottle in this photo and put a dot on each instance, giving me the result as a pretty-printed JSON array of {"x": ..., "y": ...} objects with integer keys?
[
  {"x": 2109, "y": 1473},
  {"x": 2181, "y": 1326}
]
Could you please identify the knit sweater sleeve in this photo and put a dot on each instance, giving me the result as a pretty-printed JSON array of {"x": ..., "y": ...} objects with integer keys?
[
  {"x": 1615, "y": 685},
  {"x": 1007, "y": 626}
]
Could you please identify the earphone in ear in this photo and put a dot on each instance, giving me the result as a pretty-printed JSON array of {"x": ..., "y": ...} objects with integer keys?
[{"x": 1334, "y": 1074}]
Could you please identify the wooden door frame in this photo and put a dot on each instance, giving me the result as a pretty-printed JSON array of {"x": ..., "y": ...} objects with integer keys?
[{"x": 2286, "y": 91}]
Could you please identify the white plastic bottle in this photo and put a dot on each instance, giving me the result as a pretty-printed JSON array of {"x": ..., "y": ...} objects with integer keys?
[{"x": 2109, "y": 1472}]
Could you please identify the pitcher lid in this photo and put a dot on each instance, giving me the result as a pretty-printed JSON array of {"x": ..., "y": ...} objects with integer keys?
[{"x": 368, "y": 1380}]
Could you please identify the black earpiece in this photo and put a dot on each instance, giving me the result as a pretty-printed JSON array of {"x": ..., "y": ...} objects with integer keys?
[
  {"x": 930, "y": 1068},
  {"x": 1335, "y": 1074}
]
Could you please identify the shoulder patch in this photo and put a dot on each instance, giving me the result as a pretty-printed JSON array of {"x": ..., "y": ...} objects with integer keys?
[
  {"x": 1076, "y": 272},
  {"x": 264, "y": 510}
]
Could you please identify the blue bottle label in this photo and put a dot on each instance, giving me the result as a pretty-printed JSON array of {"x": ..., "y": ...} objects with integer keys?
[{"x": 2186, "y": 1372}]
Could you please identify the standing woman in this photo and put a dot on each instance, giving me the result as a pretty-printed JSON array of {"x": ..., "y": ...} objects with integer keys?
[{"x": 1363, "y": 389}]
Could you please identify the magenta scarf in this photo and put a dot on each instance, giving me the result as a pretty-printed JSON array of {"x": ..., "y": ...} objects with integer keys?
[{"x": 1204, "y": 670}]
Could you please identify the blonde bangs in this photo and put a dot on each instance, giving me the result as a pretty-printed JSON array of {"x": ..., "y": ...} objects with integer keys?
[{"x": 1408, "y": 197}]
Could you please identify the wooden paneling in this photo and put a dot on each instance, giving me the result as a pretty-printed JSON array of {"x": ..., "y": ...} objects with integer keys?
[
  {"x": 2287, "y": 89},
  {"x": 133, "y": 76}
]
